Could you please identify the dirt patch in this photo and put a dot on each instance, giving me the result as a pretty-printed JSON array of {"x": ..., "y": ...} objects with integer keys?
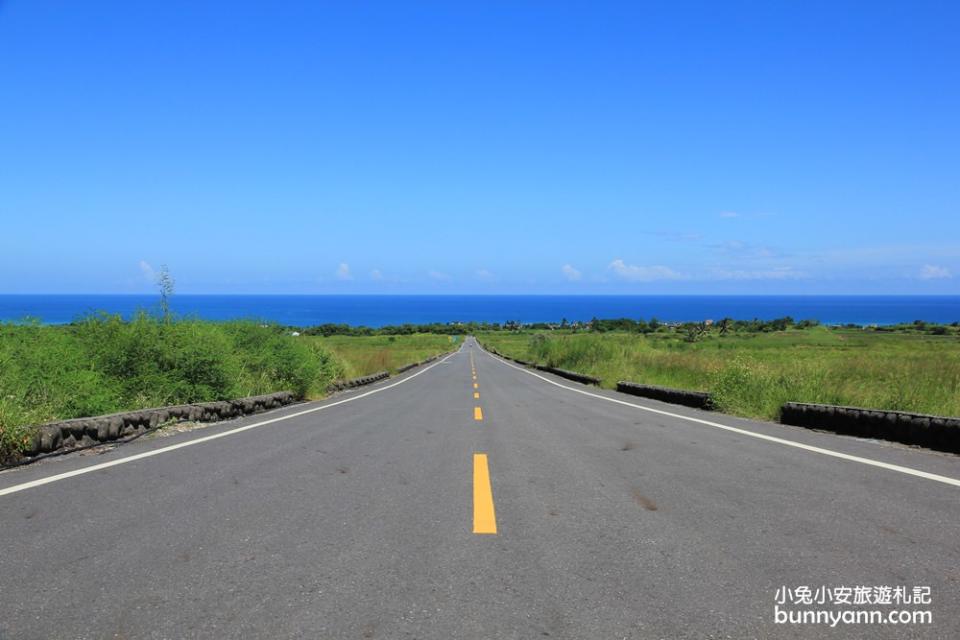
[{"x": 643, "y": 500}]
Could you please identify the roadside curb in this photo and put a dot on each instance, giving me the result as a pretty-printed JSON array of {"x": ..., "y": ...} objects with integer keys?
[
  {"x": 569, "y": 375},
  {"x": 933, "y": 432},
  {"x": 413, "y": 365},
  {"x": 695, "y": 399},
  {"x": 358, "y": 382},
  {"x": 64, "y": 436}
]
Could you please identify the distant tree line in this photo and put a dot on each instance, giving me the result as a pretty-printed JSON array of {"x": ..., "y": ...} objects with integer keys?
[
  {"x": 691, "y": 330},
  {"x": 448, "y": 328}
]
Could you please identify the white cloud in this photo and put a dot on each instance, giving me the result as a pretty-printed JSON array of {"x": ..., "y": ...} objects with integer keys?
[
  {"x": 343, "y": 272},
  {"x": 376, "y": 275},
  {"x": 776, "y": 273},
  {"x": 438, "y": 276},
  {"x": 635, "y": 273},
  {"x": 729, "y": 214},
  {"x": 483, "y": 274},
  {"x": 148, "y": 272},
  {"x": 744, "y": 249},
  {"x": 570, "y": 273},
  {"x": 933, "y": 272}
]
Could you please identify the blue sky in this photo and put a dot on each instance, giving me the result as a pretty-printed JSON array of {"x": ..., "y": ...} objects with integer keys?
[{"x": 495, "y": 147}]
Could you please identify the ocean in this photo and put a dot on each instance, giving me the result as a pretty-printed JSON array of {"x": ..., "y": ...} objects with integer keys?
[{"x": 376, "y": 310}]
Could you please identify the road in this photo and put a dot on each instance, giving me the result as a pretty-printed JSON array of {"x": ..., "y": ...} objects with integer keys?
[{"x": 474, "y": 499}]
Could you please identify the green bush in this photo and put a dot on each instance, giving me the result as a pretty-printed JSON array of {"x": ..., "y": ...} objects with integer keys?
[
  {"x": 269, "y": 357},
  {"x": 103, "y": 364}
]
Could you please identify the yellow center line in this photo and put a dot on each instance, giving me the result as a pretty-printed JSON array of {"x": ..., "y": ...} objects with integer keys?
[
  {"x": 476, "y": 395},
  {"x": 484, "y": 518},
  {"x": 476, "y": 386},
  {"x": 477, "y": 413}
]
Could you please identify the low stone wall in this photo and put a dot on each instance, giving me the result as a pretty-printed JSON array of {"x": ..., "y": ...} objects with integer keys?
[
  {"x": 82, "y": 432},
  {"x": 342, "y": 385},
  {"x": 569, "y": 375},
  {"x": 934, "y": 432},
  {"x": 696, "y": 399},
  {"x": 412, "y": 365}
]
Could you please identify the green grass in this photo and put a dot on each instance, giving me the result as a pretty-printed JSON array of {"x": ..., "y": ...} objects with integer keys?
[
  {"x": 103, "y": 364},
  {"x": 752, "y": 374},
  {"x": 363, "y": 355}
]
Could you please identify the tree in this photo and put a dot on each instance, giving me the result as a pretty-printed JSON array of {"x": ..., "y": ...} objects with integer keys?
[
  {"x": 694, "y": 331},
  {"x": 725, "y": 326},
  {"x": 165, "y": 283}
]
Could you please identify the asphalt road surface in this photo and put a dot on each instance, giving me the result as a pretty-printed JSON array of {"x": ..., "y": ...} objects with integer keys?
[{"x": 475, "y": 499}]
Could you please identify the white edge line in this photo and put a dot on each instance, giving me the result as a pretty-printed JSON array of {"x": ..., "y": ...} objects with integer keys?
[
  {"x": 155, "y": 452},
  {"x": 790, "y": 443}
]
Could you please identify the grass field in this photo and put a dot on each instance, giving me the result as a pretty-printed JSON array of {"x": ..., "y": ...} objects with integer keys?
[
  {"x": 362, "y": 355},
  {"x": 752, "y": 374}
]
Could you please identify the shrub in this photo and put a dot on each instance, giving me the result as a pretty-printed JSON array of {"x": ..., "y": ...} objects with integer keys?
[{"x": 103, "y": 364}]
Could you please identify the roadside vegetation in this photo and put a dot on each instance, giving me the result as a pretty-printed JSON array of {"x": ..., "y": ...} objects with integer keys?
[
  {"x": 363, "y": 355},
  {"x": 103, "y": 364},
  {"x": 753, "y": 368}
]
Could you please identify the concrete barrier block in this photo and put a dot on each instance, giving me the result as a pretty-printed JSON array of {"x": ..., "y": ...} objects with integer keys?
[
  {"x": 51, "y": 437},
  {"x": 936, "y": 432},
  {"x": 32, "y": 445},
  {"x": 569, "y": 375},
  {"x": 696, "y": 399}
]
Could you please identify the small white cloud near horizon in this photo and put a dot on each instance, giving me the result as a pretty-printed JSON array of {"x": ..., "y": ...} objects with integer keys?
[
  {"x": 437, "y": 276},
  {"x": 484, "y": 275},
  {"x": 635, "y": 273},
  {"x": 571, "y": 274},
  {"x": 376, "y": 274},
  {"x": 933, "y": 272},
  {"x": 744, "y": 249},
  {"x": 729, "y": 214},
  {"x": 148, "y": 272},
  {"x": 776, "y": 273},
  {"x": 343, "y": 272}
]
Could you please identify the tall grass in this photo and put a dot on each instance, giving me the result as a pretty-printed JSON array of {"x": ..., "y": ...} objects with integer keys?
[
  {"x": 104, "y": 364},
  {"x": 754, "y": 374},
  {"x": 363, "y": 355}
]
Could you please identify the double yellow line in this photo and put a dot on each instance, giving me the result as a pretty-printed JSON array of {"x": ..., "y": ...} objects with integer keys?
[{"x": 484, "y": 515}]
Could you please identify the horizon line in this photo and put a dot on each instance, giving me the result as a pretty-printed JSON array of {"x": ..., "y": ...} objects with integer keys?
[{"x": 515, "y": 295}]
